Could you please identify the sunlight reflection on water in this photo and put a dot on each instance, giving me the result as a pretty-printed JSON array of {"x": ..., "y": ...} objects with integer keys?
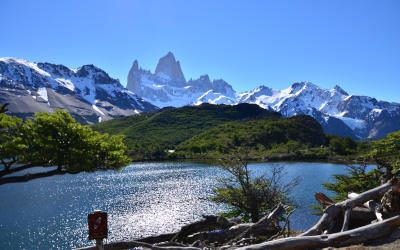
[{"x": 144, "y": 199}]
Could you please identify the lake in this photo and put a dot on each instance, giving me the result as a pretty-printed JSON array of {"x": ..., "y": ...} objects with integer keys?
[{"x": 144, "y": 199}]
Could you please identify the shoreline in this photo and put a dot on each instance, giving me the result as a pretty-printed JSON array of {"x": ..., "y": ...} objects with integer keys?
[{"x": 256, "y": 160}]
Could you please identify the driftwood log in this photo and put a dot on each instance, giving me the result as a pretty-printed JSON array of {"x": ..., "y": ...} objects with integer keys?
[
  {"x": 211, "y": 231},
  {"x": 318, "y": 236},
  {"x": 209, "y": 223},
  {"x": 327, "y": 220},
  {"x": 265, "y": 226},
  {"x": 351, "y": 237},
  {"x": 133, "y": 244}
]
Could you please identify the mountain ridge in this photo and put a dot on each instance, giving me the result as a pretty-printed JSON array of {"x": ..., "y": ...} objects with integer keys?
[
  {"x": 359, "y": 117},
  {"x": 91, "y": 96},
  {"x": 87, "y": 92}
]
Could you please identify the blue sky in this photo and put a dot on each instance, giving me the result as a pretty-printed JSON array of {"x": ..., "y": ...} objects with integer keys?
[{"x": 355, "y": 44}]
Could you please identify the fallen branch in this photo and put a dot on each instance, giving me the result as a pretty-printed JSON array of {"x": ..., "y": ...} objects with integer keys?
[
  {"x": 132, "y": 244},
  {"x": 346, "y": 220},
  {"x": 372, "y": 205},
  {"x": 331, "y": 212},
  {"x": 28, "y": 177},
  {"x": 261, "y": 225},
  {"x": 323, "y": 200},
  {"x": 207, "y": 224},
  {"x": 350, "y": 237},
  {"x": 284, "y": 227}
]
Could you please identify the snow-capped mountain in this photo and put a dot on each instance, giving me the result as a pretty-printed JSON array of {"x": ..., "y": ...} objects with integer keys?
[
  {"x": 167, "y": 86},
  {"x": 91, "y": 95},
  {"x": 338, "y": 112},
  {"x": 87, "y": 92}
]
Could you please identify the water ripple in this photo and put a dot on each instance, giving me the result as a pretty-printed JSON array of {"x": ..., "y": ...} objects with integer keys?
[{"x": 144, "y": 199}]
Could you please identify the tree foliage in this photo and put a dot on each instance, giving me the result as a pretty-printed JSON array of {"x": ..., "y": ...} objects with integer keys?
[
  {"x": 385, "y": 153},
  {"x": 55, "y": 140},
  {"x": 358, "y": 179},
  {"x": 251, "y": 196},
  {"x": 11, "y": 140},
  {"x": 3, "y": 108},
  {"x": 342, "y": 145},
  {"x": 263, "y": 137}
]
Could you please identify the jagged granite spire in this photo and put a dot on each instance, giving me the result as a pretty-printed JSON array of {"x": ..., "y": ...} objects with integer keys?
[
  {"x": 133, "y": 81},
  {"x": 168, "y": 67}
]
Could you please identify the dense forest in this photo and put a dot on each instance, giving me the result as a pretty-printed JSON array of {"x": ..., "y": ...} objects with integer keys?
[{"x": 212, "y": 131}]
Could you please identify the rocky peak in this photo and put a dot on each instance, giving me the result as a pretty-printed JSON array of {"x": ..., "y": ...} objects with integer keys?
[
  {"x": 298, "y": 85},
  {"x": 340, "y": 90},
  {"x": 263, "y": 90},
  {"x": 205, "y": 78},
  {"x": 304, "y": 87},
  {"x": 135, "y": 66},
  {"x": 56, "y": 69},
  {"x": 85, "y": 70},
  {"x": 169, "y": 68},
  {"x": 98, "y": 75},
  {"x": 133, "y": 81},
  {"x": 223, "y": 87},
  {"x": 134, "y": 71}
]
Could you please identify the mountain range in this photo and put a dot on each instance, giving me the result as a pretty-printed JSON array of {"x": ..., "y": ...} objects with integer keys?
[
  {"x": 91, "y": 96},
  {"x": 87, "y": 92},
  {"x": 167, "y": 86},
  {"x": 359, "y": 117}
]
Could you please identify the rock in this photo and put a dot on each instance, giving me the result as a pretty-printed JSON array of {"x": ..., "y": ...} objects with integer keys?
[{"x": 169, "y": 68}]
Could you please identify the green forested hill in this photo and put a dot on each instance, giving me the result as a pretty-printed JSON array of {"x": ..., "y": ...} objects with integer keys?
[
  {"x": 150, "y": 135},
  {"x": 262, "y": 137},
  {"x": 209, "y": 131}
]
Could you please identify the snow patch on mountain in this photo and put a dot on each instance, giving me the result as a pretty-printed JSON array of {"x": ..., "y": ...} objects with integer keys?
[
  {"x": 353, "y": 123},
  {"x": 213, "y": 97},
  {"x": 42, "y": 92},
  {"x": 98, "y": 110}
]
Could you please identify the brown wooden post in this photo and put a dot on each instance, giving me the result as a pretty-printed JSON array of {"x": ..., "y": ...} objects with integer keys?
[{"x": 99, "y": 244}]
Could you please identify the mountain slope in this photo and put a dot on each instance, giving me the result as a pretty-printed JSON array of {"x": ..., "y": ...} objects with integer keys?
[
  {"x": 262, "y": 135},
  {"x": 154, "y": 133},
  {"x": 88, "y": 92},
  {"x": 338, "y": 112},
  {"x": 212, "y": 131}
]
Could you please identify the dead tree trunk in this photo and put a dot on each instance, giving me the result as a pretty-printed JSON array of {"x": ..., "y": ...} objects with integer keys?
[
  {"x": 351, "y": 237},
  {"x": 134, "y": 244},
  {"x": 330, "y": 214}
]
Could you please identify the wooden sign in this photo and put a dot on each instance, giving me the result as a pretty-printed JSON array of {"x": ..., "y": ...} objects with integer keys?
[{"x": 97, "y": 222}]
